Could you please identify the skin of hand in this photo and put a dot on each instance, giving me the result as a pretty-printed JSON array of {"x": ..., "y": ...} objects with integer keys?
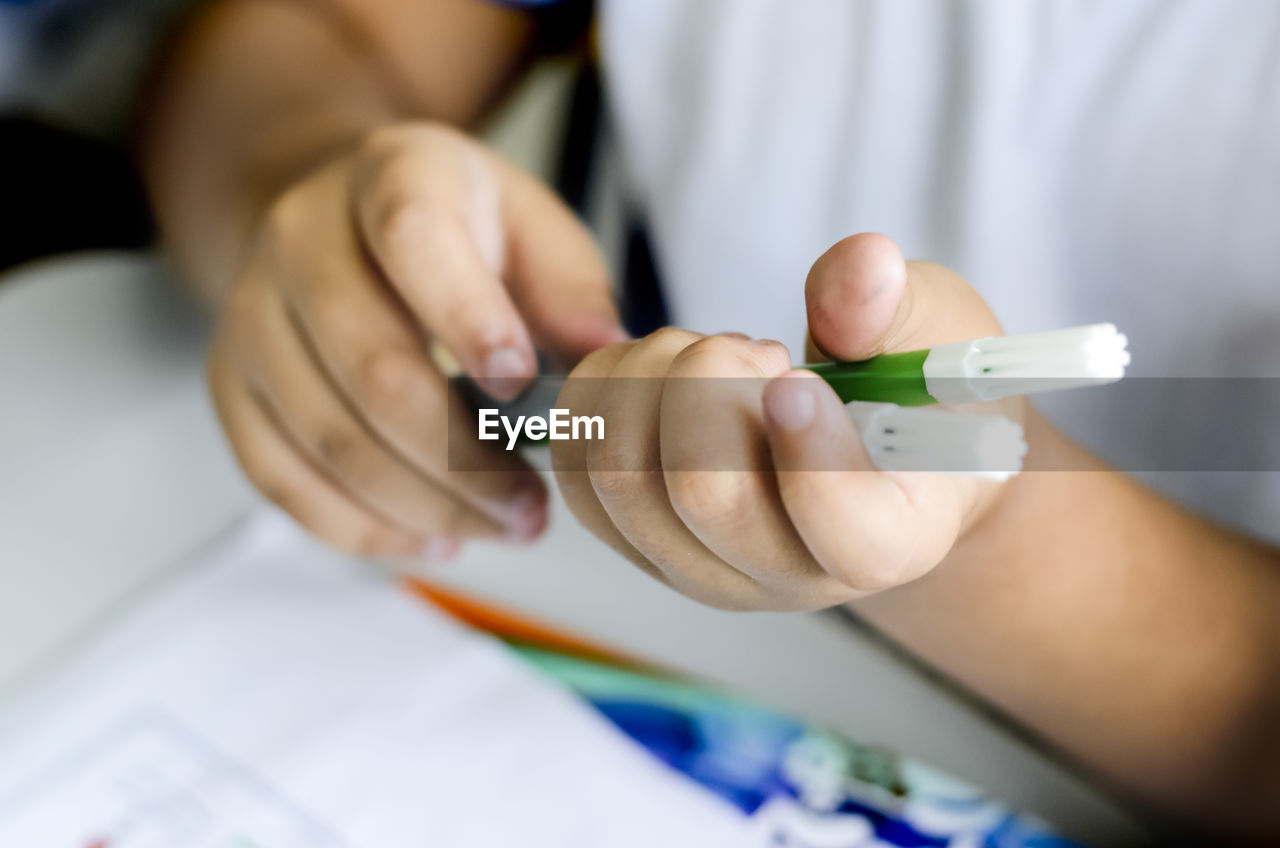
[
  {"x": 796, "y": 517},
  {"x": 320, "y": 368},
  {"x": 1163, "y": 681}
]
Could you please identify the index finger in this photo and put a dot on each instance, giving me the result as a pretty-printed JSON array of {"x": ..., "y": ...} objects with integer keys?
[
  {"x": 430, "y": 212},
  {"x": 370, "y": 350}
]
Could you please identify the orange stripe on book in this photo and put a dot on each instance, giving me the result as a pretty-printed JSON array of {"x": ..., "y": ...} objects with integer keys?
[{"x": 507, "y": 624}]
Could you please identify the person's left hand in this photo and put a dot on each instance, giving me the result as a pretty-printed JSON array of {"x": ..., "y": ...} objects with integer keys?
[{"x": 743, "y": 484}]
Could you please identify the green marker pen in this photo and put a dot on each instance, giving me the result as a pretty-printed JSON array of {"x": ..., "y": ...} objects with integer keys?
[{"x": 984, "y": 369}]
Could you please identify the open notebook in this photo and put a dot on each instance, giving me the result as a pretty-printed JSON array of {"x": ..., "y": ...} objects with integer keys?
[{"x": 275, "y": 695}]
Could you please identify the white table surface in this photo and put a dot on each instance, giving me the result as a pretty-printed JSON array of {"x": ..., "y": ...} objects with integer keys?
[{"x": 112, "y": 468}]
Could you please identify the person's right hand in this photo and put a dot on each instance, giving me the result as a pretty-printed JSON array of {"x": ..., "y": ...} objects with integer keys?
[{"x": 320, "y": 369}]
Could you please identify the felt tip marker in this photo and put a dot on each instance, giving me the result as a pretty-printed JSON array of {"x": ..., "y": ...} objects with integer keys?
[{"x": 984, "y": 369}]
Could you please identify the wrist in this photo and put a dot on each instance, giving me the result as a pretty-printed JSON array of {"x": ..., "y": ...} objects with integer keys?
[{"x": 1050, "y": 454}]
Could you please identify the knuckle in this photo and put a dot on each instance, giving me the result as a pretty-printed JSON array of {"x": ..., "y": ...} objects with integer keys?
[
  {"x": 382, "y": 377},
  {"x": 594, "y": 364},
  {"x": 668, "y": 334},
  {"x": 772, "y": 357},
  {"x": 718, "y": 356},
  {"x": 403, "y": 215},
  {"x": 482, "y": 324},
  {"x": 341, "y": 449},
  {"x": 671, "y": 338},
  {"x": 709, "y": 498},
  {"x": 598, "y": 363},
  {"x": 395, "y": 139},
  {"x": 612, "y": 486},
  {"x": 606, "y": 457},
  {"x": 385, "y": 141},
  {"x": 334, "y": 310},
  {"x": 715, "y": 347}
]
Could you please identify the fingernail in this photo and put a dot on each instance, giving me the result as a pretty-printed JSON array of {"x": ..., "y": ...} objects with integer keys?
[
  {"x": 504, "y": 373},
  {"x": 504, "y": 364},
  {"x": 740, "y": 336},
  {"x": 526, "y": 516},
  {"x": 441, "y": 549},
  {"x": 792, "y": 405}
]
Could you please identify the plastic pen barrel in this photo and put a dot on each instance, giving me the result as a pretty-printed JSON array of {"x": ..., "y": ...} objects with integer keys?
[{"x": 892, "y": 378}]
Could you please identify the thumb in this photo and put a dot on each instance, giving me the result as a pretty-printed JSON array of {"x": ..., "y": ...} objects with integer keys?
[
  {"x": 556, "y": 274},
  {"x": 864, "y": 299}
]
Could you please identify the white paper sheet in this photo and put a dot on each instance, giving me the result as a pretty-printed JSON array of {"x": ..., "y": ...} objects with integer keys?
[{"x": 278, "y": 696}]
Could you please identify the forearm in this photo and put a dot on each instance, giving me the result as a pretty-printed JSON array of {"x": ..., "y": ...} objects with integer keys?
[
  {"x": 258, "y": 92},
  {"x": 1125, "y": 631}
]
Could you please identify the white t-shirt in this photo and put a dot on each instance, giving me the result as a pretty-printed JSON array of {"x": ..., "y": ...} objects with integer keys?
[{"x": 1075, "y": 160}]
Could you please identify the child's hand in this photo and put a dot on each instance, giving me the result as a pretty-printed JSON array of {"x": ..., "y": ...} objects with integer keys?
[
  {"x": 320, "y": 370},
  {"x": 801, "y": 520}
]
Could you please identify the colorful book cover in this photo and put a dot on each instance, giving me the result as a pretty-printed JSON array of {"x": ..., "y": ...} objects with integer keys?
[{"x": 804, "y": 786}]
